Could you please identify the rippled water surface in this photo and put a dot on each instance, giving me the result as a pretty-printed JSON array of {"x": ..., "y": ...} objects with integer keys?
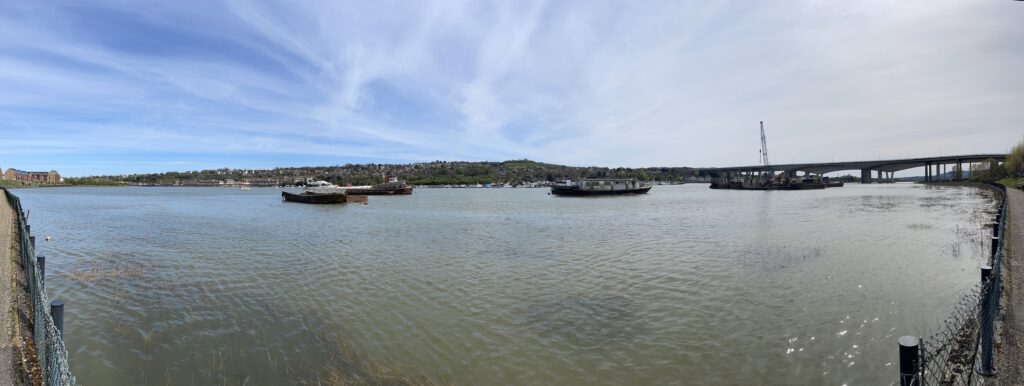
[{"x": 684, "y": 285}]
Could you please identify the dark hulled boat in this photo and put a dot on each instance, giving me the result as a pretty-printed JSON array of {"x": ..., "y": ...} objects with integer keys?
[
  {"x": 322, "y": 192},
  {"x": 315, "y": 198},
  {"x": 601, "y": 187},
  {"x": 776, "y": 183}
]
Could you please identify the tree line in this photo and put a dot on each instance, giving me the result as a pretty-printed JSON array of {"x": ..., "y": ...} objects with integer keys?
[
  {"x": 1009, "y": 171},
  {"x": 424, "y": 173}
]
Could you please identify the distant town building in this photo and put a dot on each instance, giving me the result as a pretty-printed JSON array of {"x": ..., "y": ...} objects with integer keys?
[{"x": 50, "y": 177}]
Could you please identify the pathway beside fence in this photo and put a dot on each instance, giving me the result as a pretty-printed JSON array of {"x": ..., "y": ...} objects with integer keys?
[
  {"x": 41, "y": 322},
  {"x": 1010, "y": 361},
  {"x": 8, "y": 375}
]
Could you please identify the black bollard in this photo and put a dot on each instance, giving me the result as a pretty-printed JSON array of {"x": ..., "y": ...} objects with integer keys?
[
  {"x": 57, "y": 313},
  {"x": 910, "y": 350},
  {"x": 32, "y": 240},
  {"x": 28, "y": 229},
  {"x": 987, "y": 316}
]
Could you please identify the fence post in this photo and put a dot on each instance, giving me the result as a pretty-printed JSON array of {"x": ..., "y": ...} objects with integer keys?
[
  {"x": 909, "y": 359},
  {"x": 57, "y": 313},
  {"x": 995, "y": 246},
  {"x": 42, "y": 267},
  {"x": 986, "y": 316}
]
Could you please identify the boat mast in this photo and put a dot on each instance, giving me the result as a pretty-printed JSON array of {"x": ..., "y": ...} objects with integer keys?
[{"x": 766, "y": 171}]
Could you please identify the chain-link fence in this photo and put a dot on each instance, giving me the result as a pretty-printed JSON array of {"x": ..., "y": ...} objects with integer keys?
[
  {"x": 960, "y": 352},
  {"x": 51, "y": 354}
]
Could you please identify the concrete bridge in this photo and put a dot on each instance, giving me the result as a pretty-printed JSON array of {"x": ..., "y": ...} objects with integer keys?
[{"x": 934, "y": 166}]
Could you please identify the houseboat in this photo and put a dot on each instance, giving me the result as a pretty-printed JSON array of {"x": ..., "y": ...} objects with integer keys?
[
  {"x": 600, "y": 187},
  {"x": 776, "y": 182}
]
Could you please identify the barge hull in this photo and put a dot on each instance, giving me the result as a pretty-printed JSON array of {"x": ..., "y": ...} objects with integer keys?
[
  {"x": 562, "y": 191},
  {"x": 338, "y": 198}
]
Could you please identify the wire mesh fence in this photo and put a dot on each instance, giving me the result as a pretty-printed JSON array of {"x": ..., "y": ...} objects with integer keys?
[
  {"x": 960, "y": 352},
  {"x": 51, "y": 354}
]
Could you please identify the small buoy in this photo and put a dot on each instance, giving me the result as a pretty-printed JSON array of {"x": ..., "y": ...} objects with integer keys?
[{"x": 47, "y": 238}]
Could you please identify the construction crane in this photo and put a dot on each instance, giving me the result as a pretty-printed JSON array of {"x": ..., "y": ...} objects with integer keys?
[{"x": 766, "y": 172}]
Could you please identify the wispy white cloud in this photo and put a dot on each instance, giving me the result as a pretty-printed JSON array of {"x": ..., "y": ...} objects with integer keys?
[{"x": 607, "y": 83}]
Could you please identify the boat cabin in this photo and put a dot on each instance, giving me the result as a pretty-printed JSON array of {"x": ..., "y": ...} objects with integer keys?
[{"x": 606, "y": 184}]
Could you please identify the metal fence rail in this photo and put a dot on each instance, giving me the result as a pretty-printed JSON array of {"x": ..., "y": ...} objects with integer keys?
[
  {"x": 47, "y": 336},
  {"x": 960, "y": 353}
]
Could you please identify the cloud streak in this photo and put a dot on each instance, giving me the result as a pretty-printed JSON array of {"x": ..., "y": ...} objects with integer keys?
[{"x": 672, "y": 83}]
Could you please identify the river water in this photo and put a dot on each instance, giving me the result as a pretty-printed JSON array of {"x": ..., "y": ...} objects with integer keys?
[{"x": 685, "y": 285}]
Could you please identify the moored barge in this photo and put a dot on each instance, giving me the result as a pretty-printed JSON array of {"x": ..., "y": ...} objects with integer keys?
[
  {"x": 391, "y": 187},
  {"x": 322, "y": 192},
  {"x": 601, "y": 187},
  {"x": 776, "y": 183},
  {"x": 767, "y": 179}
]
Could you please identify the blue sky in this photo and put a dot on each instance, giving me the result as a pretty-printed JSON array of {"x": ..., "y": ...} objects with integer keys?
[{"x": 110, "y": 87}]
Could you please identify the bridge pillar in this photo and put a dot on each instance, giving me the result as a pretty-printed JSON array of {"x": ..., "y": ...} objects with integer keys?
[
  {"x": 880, "y": 179},
  {"x": 927, "y": 172},
  {"x": 865, "y": 176}
]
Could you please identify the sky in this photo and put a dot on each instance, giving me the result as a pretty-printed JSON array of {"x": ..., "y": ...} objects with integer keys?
[{"x": 112, "y": 87}]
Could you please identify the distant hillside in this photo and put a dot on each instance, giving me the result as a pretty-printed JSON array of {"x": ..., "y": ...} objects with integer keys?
[{"x": 428, "y": 173}]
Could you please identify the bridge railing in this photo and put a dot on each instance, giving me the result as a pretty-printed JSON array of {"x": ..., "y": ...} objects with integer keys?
[
  {"x": 47, "y": 337},
  {"x": 961, "y": 351}
]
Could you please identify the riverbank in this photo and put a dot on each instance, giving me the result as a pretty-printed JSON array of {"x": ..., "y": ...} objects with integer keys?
[{"x": 1010, "y": 343}]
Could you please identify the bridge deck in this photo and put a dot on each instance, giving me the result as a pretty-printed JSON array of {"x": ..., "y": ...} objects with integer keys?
[{"x": 890, "y": 165}]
